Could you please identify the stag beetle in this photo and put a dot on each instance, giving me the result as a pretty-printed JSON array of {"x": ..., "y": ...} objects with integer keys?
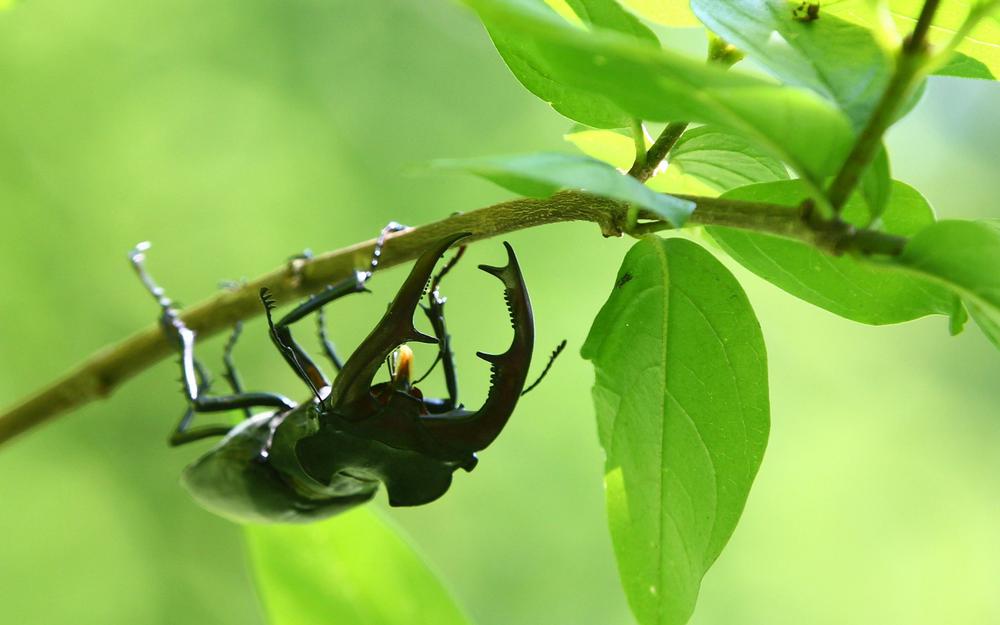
[{"x": 303, "y": 462}]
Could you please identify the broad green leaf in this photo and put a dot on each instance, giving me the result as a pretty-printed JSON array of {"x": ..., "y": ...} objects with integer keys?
[
  {"x": 981, "y": 44},
  {"x": 682, "y": 413},
  {"x": 851, "y": 287},
  {"x": 6, "y": 4},
  {"x": 876, "y": 184},
  {"x": 524, "y": 58},
  {"x": 723, "y": 160},
  {"x": 609, "y": 15},
  {"x": 704, "y": 161},
  {"x": 521, "y": 56},
  {"x": 791, "y": 124},
  {"x": 964, "y": 256},
  {"x": 353, "y": 568},
  {"x": 964, "y": 66},
  {"x": 542, "y": 174},
  {"x": 673, "y": 180},
  {"x": 562, "y": 8},
  {"x": 837, "y": 59},
  {"x": 614, "y": 147},
  {"x": 676, "y": 13}
]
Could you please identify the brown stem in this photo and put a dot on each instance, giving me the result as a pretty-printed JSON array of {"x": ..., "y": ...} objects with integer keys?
[
  {"x": 643, "y": 168},
  {"x": 720, "y": 52},
  {"x": 912, "y": 58},
  {"x": 103, "y": 372}
]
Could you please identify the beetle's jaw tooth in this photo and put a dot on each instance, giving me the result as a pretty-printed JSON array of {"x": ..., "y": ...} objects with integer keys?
[{"x": 508, "y": 371}]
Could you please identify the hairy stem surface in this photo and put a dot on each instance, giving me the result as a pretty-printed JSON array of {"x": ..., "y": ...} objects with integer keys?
[{"x": 104, "y": 371}]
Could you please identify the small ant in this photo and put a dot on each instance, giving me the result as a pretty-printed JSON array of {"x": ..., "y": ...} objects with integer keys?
[{"x": 806, "y": 12}]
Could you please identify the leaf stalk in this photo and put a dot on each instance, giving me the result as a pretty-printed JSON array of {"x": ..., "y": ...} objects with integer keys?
[
  {"x": 910, "y": 70},
  {"x": 104, "y": 371}
]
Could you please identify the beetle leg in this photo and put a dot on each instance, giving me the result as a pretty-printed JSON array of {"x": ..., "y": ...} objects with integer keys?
[
  {"x": 191, "y": 380},
  {"x": 474, "y": 431},
  {"x": 389, "y": 228},
  {"x": 282, "y": 336},
  {"x": 292, "y": 352},
  {"x": 328, "y": 349},
  {"x": 201, "y": 403},
  {"x": 182, "y": 433},
  {"x": 395, "y": 328},
  {"x": 435, "y": 314},
  {"x": 230, "y": 374}
]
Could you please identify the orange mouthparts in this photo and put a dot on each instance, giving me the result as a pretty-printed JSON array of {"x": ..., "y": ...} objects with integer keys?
[{"x": 403, "y": 365}]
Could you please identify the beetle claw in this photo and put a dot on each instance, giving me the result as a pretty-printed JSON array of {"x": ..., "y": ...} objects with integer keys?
[
  {"x": 396, "y": 327},
  {"x": 495, "y": 271},
  {"x": 490, "y": 358},
  {"x": 509, "y": 370},
  {"x": 420, "y": 337}
]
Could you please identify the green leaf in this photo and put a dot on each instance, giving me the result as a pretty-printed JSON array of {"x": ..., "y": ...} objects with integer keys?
[
  {"x": 678, "y": 183},
  {"x": 609, "y": 15},
  {"x": 716, "y": 157},
  {"x": 981, "y": 44},
  {"x": 525, "y": 59},
  {"x": 353, "y": 568},
  {"x": 676, "y": 13},
  {"x": 964, "y": 256},
  {"x": 723, "y": 160},
  {"x": 542, "y": 174},
  {"x": 964, "y": 66},
  {"x": 839, "y": 60},
  {"x": 682, "y": 413},
  {"x": 876, "y": 184},
  {"x": 614, "y": 147},
  {"x": 851, "y": 287},
  {"x": 704, "y": 161},
  {"x": 793, "y": 125}
]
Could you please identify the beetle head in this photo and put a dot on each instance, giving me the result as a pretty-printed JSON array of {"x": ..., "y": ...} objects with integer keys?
[
  {"x": 394, "y": 416},
  {"x": 351, "y": 391}
]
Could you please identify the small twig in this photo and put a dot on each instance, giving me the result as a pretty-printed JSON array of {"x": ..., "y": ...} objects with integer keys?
[
  {"x": 911, "y": 60},
  {"x": 943, "y": 53},
  {"x": 720, "y": 52},
  {"x": 916, "y": 42},
  {"x": 639, "y": 139},
  {"x": 643, "y": 168},
  {"x": 107, "y": 369}
]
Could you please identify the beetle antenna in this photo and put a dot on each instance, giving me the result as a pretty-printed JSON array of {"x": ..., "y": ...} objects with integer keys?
[{"x": 555, "y": 354}]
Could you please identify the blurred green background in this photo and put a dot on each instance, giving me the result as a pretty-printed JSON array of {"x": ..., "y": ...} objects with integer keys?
[{"x": 234, "y": 134}]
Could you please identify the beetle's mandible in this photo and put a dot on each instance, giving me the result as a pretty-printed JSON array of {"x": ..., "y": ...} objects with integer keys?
[{"x": 302, "y": 462}]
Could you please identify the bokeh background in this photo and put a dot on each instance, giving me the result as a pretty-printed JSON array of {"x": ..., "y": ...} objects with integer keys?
[{"x": 235, "y": 134}]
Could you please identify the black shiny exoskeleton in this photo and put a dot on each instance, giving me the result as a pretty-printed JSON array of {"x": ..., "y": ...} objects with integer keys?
[{"x": 300, "y": 462}]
